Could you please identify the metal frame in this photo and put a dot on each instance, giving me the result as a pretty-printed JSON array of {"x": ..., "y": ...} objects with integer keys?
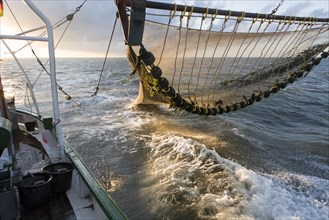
[
  {"x": 52, "y": 65},
  {"x": 212, "y": 11},
  {"x": 136, "y": 23},
  {"x": 29, "y": 85}
]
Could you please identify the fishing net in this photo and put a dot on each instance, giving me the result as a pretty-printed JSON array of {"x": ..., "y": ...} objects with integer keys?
[{"x": 215, "y": 63}]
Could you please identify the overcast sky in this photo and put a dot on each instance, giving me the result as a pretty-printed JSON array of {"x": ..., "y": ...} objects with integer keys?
[{"x": 91, "y": 28}]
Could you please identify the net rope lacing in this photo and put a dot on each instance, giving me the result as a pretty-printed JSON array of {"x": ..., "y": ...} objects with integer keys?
[{"x": 299, "y": 35}]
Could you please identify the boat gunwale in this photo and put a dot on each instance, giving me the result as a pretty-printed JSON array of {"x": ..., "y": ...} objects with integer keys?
[{"x": 108, "y": 205}]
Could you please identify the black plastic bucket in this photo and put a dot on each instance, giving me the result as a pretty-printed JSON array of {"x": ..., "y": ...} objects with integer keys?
[
  {"x": 34, "y": 189},
  {"x": 62, "y": 176},
  {"x": 30, "y": 126}
]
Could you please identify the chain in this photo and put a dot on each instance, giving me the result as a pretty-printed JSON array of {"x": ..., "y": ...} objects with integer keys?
[{"x": 277, "y": 7}]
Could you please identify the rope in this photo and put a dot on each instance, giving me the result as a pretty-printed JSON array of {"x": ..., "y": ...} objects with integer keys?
[
  {"x": 58, "y": 24},
  {"x": 277, "y": 7},
  {"x": 172, "y": 15},
  {"x": 186, "y": 35},
  {"x": 215, "y": 50},
  {"x": 27, "y": 98},
  {"x": 106, "y": 55},
  {"x": 38, "y": 60},
  {"x": 69, "y": 18},
  {"x": 196, "y": 53},
  {"x": 257, "y": 42},
  {"x": 236, "y": 60},
  {"x": 227, "y": 49},
  {"x": 68, "y": 97},
  {"x": 55, "y": 26},
  {"x": 298, "y": 42},
  {"x": 279, "y": 56},
  {"x": 203, "y": 56},
  {"x": 177, "y": 49},
  {"x": 252, "y": 24},
  {"x": 58, "y": 42},
  {"x": 264, "y": 52},
  {"x": 306, "y": 32},
  {"x": 79, "y": 7},
  {"x": 18, "y": 24},
  {"x": 231, "y": 64}
]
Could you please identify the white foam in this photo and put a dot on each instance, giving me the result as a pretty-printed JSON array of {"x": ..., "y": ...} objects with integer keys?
[
  {"x": 220, "y": 188},
  {"x": 238, "y": 132}
]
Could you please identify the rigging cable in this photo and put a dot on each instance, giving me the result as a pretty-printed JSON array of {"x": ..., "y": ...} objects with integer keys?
[
  {"x": 69, "y": 18},
  {"x": 59, "y": 23},
  {"x": 277, "y": 7},
  {"x": 107, "y": 52},
  {"x": 26, "y": 97}
]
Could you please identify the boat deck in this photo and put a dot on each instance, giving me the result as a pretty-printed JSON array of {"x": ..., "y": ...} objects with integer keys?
[
  {"x": 34, "y": 150},
  {"x": 57, "y": 208}
]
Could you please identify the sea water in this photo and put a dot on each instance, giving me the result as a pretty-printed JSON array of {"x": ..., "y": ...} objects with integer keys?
[{"x": 267, "y": 161}]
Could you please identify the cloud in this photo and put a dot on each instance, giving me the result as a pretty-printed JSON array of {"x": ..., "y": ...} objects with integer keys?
[
  {"x": 322, "y": 13},
  {"x": 298, "y": 9},
  {"x": 91, "y": 27}
]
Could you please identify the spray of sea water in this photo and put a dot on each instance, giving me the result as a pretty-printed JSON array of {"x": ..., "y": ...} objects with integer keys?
[{"x": 268, "y": 161}]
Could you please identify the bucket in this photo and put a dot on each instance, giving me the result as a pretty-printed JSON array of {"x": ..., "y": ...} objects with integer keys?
[
  {"x": 5, "y": 134},
  {"x": 34, "y": 189},
  {"x": 30, "y": 126},
  {"x": 48, "y": 123},
  {"x": 62, "y": 176}
]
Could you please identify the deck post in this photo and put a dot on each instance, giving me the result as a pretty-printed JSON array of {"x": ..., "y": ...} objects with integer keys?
[
  {"x": 52, "y": 64},
  {"x": 3, "y": 106}
]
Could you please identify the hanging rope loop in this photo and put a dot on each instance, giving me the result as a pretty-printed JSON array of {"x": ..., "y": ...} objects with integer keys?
[
  {"x": 214, "y": 16},
  {"x": 172, "y": 13},
  {"x": 239, "y": 19},
  {"x": 183, "y": 12},
  {"x": 190, "y": 13},
  {"x": 205, "y": 14}
]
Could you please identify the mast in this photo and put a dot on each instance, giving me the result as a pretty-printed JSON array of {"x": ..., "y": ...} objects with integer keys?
[
  {"x": 121, "y": 4},
  {"x": 135, "y": 23}
]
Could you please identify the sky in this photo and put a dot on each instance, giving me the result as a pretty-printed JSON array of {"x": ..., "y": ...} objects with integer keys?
[{"x": 89, "y": 33}]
